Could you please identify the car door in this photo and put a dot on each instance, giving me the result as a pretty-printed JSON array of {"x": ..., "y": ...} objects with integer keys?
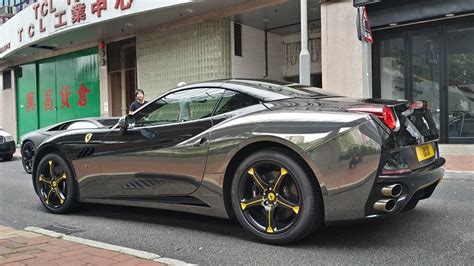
[{"x": 165, "y": 152}]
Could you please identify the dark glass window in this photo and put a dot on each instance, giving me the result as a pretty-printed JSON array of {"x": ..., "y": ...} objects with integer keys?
[
  {"x": 232, "y": 101},
  {"x": 238, "y": 39},
  {"x": 7, "y": 80}
]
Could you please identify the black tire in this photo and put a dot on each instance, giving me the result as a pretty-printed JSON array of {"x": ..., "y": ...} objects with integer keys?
[
  {"x": 27, "y": 156},
  {"x": 55, "y": 184},
  {"x": 7, "y": 158},
  {"x": 293, "y": 199}
]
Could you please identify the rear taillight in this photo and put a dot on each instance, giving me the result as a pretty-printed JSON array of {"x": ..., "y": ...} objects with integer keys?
[
  {"x": 385, "y": 113},
  {"x": 389, "y": 118}
]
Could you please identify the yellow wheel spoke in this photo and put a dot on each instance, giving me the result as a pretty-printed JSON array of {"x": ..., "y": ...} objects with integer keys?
[
  {"x": 256, "y": 178},
  {"x": 270, "y": 226},
  {"x": 60, "y": 196},
  {"x": 41, "y": 178},
  {"x": 49, "y": 196},
  {"x": 62, "y": 178},
  {"x": 284, "y": 203},
  {"x": 250, "y": 203},
  {"x": 51, "y": 168},
  {"x": 279, "y": 180}
]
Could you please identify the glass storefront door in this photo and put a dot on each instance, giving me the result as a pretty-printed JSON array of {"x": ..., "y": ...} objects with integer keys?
[
  {"x": 425, "y": 64},
  {"x": 460, "y": 61},
  {"x": 432, "y": 62}
]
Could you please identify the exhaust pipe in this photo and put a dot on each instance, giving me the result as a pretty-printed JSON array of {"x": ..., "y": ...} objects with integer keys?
[
  {"x": 393, "y": 191},
  {"x": 385, "y": 205}
]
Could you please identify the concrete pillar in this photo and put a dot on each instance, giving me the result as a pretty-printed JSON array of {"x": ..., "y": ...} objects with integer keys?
[{"x": 342, "y": 53}]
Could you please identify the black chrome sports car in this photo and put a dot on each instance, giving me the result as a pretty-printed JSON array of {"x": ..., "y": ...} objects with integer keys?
[
  {"x": 33, "y": 139},
  {"x": 281, "y": 158}
]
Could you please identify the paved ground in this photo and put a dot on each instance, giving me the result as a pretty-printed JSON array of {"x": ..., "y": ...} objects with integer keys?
[
  {"x": 439, "y": 231},
  {"x": 27, "y": 248}
]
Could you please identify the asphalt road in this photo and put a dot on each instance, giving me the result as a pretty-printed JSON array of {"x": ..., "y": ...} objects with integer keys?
[{"x": 439, "y": 231}]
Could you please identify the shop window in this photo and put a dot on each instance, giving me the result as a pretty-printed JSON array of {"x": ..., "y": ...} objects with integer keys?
[
  {"x": 237, "y": 39},
  {"x": 392, "y": 69},
  {"x": 7, "y": 80}
]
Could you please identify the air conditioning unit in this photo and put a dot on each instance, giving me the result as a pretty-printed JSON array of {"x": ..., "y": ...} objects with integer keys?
[{"x": 6, "y": 11}]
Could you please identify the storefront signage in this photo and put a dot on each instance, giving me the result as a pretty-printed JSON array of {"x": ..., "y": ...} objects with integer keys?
[
  {"x": 363, "y": 28},
  {"x": 4, "y": 48},
  {"x": 47, "y": 18}
]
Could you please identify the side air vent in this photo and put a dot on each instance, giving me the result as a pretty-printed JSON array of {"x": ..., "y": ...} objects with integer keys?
[
  {"x": 86, "y": 152},
  {"x": 142, "y": 184}
]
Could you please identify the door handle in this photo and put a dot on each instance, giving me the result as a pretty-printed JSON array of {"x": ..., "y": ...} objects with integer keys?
[{"x": 201, "y": 142}]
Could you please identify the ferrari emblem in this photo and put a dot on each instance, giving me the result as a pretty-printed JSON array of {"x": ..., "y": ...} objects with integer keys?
[{"x": 88, "y": 138}]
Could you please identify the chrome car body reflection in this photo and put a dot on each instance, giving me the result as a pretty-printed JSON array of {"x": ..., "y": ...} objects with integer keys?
[{"x": 184, "y": 154}]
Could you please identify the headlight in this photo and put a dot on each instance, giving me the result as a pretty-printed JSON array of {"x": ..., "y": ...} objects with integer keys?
[{"x": 9, "y": 138}]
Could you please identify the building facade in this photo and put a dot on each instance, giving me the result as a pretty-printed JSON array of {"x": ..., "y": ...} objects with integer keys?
[{"x": 63, "y": 60}]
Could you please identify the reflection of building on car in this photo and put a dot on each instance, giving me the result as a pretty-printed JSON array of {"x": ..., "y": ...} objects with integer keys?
[
  {"x": 32, "y": 140},
  {"x": 7, "y": 146},
  {"x": 274, "y": 155}
]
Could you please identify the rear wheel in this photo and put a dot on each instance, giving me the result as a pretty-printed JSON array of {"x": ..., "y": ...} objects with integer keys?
[
  {"x": 55, "y": 184},
  {"x": 275, "y": 199},
  {"x": 27, "y": 156}
]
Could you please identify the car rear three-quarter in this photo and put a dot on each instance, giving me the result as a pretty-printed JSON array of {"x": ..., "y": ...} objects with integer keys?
[{"x": 280, "y": 158}]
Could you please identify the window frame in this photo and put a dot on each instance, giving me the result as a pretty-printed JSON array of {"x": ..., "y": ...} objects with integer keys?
[{"x": 236, "y": 91}]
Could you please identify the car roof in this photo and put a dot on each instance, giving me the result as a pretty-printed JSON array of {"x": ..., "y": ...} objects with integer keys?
[{"x": 263, "y": 89}]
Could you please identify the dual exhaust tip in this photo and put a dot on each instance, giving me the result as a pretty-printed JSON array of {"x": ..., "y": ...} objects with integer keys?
[{"x": 389, "y": 205}]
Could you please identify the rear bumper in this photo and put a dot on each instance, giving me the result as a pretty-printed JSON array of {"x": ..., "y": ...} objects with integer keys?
[
  {"x": 417, "y": 185},
  {"x": 7, "y": 148}
]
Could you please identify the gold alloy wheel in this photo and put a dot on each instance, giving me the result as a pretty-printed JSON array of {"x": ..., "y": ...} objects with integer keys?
[
  {"x": 52, "y": 182},
  {"x": 270, "y": 198}
]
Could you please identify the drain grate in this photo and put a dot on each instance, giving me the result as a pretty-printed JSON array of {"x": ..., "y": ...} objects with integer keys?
[{"x": 63, "y": 229}]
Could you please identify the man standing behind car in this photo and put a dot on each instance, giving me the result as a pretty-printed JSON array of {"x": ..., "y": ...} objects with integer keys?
[{"x": 139, "y": 100}]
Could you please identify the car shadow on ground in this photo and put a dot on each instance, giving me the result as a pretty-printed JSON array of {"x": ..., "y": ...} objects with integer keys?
[{"x": 366, "y": 233}]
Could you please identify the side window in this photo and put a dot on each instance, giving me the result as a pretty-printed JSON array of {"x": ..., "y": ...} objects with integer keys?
[
  {"x": 81, "y": 124},
  {"x": 180, "y": 106},
  {"x": 232, "y": 100}
]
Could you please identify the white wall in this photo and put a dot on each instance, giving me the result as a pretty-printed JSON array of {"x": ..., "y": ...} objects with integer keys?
[
  {"x": 342, "y": 55},
  {"x": 252, "y": 62}
]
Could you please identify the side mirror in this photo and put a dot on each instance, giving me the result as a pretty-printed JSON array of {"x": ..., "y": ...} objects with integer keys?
[{"x": 127, "y": 122}]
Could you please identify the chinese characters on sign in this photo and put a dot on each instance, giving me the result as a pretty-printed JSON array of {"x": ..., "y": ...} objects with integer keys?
[
  {"x": 65, "y": 93},
  {"x": 76, "y": 10},
  {"x": 83, "y": 91},
  {"x": 48, "y": 102},
  {"x": 30, "y": 102}
]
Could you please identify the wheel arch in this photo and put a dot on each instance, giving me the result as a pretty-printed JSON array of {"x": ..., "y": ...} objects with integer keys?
[{"x": 249, "y": 149}]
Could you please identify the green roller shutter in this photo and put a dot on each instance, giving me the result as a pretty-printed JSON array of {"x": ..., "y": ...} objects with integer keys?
[
  {"x": 47, "y": 92},
  {"x": 66, "y": 87},
  {"x": 27, "y": 98}
]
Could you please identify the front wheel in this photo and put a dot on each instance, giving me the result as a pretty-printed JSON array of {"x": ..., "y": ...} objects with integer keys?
[
  {"x": 275, "y": 199},
  {"x": 55, "y": 184},
  {"x": 27, "y": 156}
]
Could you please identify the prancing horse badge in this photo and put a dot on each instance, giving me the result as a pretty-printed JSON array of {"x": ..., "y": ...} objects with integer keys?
[{"x": 88, "y": 138}]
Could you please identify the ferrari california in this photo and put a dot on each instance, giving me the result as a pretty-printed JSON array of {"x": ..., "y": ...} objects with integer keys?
[{"x": 280, "y": 158}]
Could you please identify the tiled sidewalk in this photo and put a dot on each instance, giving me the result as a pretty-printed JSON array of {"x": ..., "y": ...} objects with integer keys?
[{"x": 26, "y": 248}]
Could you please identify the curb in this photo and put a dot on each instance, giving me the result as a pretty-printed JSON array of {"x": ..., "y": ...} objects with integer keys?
[{"x": 96, "y": 244}]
